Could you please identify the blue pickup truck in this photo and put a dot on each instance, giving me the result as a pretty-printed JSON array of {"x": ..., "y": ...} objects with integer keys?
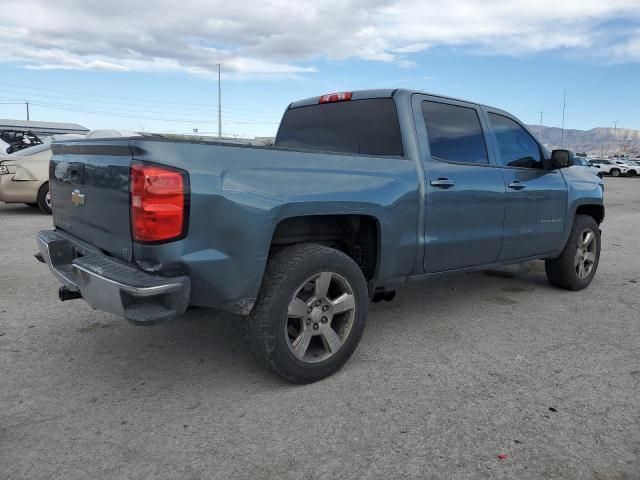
[{"x": 361, "y": 191}]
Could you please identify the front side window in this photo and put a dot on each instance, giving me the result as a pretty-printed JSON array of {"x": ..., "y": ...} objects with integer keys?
[
  {"x": 517, "y": 146},
  {"x": 454, "y": 133}
]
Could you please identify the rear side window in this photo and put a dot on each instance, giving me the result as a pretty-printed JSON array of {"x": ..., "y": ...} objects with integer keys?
[
  {"x": 517, "y": 146},
  {"x": 454, "y": 133},
  {"x": 368, "y": 127}
]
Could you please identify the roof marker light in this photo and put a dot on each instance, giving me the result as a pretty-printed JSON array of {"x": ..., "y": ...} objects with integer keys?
[{"x": 335, "y": 97}]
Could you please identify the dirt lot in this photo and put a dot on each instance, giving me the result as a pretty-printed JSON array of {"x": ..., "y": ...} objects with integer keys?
[{"x": 451, "y": 374}]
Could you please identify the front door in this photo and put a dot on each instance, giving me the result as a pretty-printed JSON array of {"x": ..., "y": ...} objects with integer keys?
[
  {"x": 465, "y": 193},
  {"x": 536, "y": 202}
]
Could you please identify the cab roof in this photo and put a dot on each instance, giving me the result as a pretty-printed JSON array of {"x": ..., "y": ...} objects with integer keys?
[{"x": 382, "y": 93}]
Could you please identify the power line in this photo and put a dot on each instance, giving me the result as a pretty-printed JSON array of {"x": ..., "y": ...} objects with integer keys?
[
  {"x": 143, "y": 112},
  {"x": 135, "y": 99},
  {"x": 143, "y": 117},
  {"x": 163, "y": 110}
]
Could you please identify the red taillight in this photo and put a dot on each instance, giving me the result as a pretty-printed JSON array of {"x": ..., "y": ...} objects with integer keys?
[
  {"x": 158, "y": 203},
  {"x": 335, "y": 97}
]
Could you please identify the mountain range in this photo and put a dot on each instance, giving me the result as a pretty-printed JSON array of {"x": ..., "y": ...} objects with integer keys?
[{"x": 595, "y": 142}]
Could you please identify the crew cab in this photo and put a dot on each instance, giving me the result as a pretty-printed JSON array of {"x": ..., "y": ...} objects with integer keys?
[{"x": 362, "y": 191}]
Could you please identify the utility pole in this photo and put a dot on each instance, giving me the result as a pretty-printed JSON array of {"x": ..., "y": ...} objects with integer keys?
[
  {"x": 615, "y": 136},
  {"x": 27, "y": 104},
  {"x": 564, "y": 105},
  {"x": 540, "y": 129},
  {"x": 219, "y": 104}
]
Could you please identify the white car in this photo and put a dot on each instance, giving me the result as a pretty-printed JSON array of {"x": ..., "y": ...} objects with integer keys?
[
  {"x": 585, "y": 162},
  {"x": 634, "y": 167},
  {"x": 609, "y": 167},
  {"x": 24, "y": 175}
]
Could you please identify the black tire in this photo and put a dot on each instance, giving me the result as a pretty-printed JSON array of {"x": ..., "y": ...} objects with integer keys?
[
  {"x": 615, "y": 172},
  {"x": 32, "y": 205},
  {"x": 44, "y": 199},
  {"x": 267, "y": 324},
  {"x": 632, "y": 173},
  {"x": 562, "y": 271}
]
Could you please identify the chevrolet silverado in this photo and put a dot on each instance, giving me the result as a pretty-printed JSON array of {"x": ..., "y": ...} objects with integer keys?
[{"x": 361, "y": 191}]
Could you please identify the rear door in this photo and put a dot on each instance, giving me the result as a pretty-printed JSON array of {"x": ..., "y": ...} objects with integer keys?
[
  {"x": 89, "y": 184},
  {"x": 536, "y": 199},
  {"x": 465, "y": 193}
]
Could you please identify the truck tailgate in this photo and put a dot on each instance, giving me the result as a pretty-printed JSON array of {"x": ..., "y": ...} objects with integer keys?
[{"x": 89, "y": 184}]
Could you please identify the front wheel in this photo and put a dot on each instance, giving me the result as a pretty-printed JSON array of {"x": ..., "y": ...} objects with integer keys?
[
  {"x": 310, "y": 313},
  {"x": 577, "y": 264},
  {"x": 44, "y": 199}
]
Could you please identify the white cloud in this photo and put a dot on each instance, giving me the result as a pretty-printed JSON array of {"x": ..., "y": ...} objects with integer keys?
[{"x": 284, "y": 37}]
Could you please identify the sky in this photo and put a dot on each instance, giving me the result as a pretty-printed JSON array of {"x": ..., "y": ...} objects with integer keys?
[{"x": 152, "y": 66}]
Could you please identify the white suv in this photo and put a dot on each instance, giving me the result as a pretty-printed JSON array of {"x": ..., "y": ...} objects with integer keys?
[
  {"x": 633, "y": 167},
  {"x": 610, "y": 167}
]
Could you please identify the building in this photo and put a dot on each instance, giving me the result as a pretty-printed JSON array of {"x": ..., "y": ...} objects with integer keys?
[{"x": 41, "y": 129}]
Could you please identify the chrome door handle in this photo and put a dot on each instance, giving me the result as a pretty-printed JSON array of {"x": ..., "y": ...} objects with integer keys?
[
  {"x": 517, "y": 185},
  {"x": 442, "y": 183}
]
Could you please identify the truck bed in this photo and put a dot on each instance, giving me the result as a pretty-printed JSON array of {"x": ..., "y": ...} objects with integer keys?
[{"x": 238, "y": 195}]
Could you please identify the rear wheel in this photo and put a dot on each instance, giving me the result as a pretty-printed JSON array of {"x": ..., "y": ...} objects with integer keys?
[
  {"x": 310, "y": 313},
  {"x": 615, "y": 172},
  {"x": 44, "y": 199},
  {"x": 577, "y": 264}
]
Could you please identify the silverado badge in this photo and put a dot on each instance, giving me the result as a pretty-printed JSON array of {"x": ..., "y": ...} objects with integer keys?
[{"x": 77, "y": 198}]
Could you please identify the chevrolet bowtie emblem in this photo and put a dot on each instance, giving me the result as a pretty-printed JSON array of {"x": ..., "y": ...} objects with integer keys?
[{"x": 77, "y": 198}]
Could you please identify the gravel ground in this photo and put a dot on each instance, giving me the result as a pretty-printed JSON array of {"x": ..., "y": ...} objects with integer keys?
[{"x": 453, "y": 373}]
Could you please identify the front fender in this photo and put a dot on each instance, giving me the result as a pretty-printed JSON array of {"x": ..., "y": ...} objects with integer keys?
[{"x": 584, "y": 188}]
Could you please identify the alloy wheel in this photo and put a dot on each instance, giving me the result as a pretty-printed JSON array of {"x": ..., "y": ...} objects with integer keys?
[
  {"x": 320, "y": 317},
  {"x": 585, "y": 253}
]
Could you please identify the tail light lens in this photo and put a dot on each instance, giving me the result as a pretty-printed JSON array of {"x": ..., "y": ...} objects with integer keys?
[{"x": 159, "y": 202}]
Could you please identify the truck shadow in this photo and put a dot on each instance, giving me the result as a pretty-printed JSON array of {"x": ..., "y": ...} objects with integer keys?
[{"x": 208, "y": 347}]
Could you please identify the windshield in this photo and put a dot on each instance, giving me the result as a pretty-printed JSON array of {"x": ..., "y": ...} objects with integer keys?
[{"x": 368, "y": 127}]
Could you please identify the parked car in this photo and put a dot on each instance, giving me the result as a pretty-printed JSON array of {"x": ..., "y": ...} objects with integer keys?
[
  {"x": 361, "y": 192},
  {"x": 609, "y": 167},
  {"x": 631, "y": 166},
  {"x": 19, "y": 140},
  {"x": 635, "y": 166},
  {"x": 24, "y": 175},
  {"x": 584, "y": 162}
]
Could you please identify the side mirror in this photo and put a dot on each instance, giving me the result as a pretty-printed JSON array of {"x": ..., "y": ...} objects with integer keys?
[{"x": 561, "y": 159}]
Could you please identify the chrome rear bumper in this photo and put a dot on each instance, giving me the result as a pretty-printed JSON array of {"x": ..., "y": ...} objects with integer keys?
[{"x": 109, "y": 285}]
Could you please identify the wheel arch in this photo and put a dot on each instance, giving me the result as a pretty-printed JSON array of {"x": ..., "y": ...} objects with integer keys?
[
  {"x": 357, "y": 235},
  {"x": 593, "y": 210}
]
